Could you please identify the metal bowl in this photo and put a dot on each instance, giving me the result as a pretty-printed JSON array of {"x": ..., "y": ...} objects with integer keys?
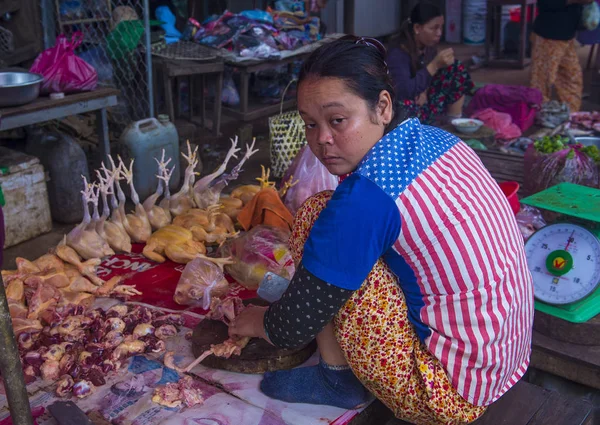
[
  {"x": 19, "y": 88},
  {"x": 588, "y": 141}
]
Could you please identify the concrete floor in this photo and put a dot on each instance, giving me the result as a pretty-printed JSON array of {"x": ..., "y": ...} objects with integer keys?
[{"x": 216, "y": 147}]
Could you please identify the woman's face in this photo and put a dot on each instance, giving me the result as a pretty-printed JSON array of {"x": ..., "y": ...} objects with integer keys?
[
  {"x": 430, "y": 33},
  {"x": 340, "y": 126}
]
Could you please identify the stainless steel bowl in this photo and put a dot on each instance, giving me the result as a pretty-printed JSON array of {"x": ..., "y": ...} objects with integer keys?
[
  {"x": 588, "y": 141},
  {"x": 19, "y": 88}
]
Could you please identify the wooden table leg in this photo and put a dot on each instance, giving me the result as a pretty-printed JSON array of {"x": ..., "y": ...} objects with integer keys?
[
  {"x": 168, "y": 94},
  {"x": 217, "y": 112},
  {"x": 497, "y": 13},
  {"x": 523, "y": 31},
  {"x": 191, "y": 96},
  {"x": 177, "y": 97},
  {"x": 488, "y": 29},
  {"x": 244, "y": 89},
  {"x": 203, "y": 97},
  {"x": 102, "y": 129}
]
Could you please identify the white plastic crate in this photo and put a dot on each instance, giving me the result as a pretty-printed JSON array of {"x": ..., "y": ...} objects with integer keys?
[{"x": 26, "y": 209}]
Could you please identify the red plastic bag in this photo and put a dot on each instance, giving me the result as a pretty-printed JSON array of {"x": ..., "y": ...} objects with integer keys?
[
  {"x": 62, "y": 70},
  {"x": 312, "y": 178},
  {"x": 570, "y": 165}
]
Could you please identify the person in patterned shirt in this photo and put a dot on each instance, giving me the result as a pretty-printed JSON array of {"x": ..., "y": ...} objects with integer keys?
[{"x": 412, "y": 275}]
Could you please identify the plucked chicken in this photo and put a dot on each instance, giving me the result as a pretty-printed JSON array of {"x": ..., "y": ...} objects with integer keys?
[
  {"x": 160, "y": 215},
  {"x": 183, "y": 200},
  {"x": 137, "y": 224},
  {"x": 85, "y": 239},
  {"x": 201, "y": 281},
  {"x": 111, "y": 232},
  {"x": 175, "y": 243},
  {"x": 208, "y": 193}
]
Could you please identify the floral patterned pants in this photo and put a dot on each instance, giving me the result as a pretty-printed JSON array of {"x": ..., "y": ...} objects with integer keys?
[
  {"x": 554, "y": 63},
  {"x": 446, "y": 88},
  {"x": 381, "y": 345}
]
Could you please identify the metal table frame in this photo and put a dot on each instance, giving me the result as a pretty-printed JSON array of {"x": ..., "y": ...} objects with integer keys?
[{"x": 45, "y": 109}]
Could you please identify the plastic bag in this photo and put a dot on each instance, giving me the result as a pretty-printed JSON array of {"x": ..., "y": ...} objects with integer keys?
[
  {"x": 200, "y": 281},
  {"x": 312, "y": 177},
  {"x": 590, "y": 16},
  {"x": 568, "y": 165},
  {"x": 262, "y": 249},
  {"x": 529, "y": 220},
  {"x": 62, "y": 70}
]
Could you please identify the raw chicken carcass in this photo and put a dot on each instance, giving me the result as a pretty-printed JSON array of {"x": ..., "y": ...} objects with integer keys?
[
  {"x": 158, "y": 215},
  {"x": 207, "y": 226},
  {"x": 174, "y": 242},
  {"x": 183, "y": 200},
  {"x": 137, "y": 225},
  {"x": 85, "y": 240},
  {"x": 231, "y": 206},
  {"x": 202, "y": 280},
  {"x": 112, "y": 232},
  {"x": 204, "y": 183},
  {"x": 70, "y": 256},
  {"x": 208, "y": 190}
]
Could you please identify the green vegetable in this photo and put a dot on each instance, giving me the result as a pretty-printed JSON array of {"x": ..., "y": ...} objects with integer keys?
[
  {"x": 593, "y": 152},
  {"x": 551, "y": 144}
]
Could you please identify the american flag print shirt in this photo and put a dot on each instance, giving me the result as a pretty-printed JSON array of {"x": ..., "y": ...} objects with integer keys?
[{"x": 423, "y": 201}]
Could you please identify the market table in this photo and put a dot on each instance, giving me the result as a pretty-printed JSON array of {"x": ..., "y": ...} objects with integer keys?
[
  {"x": 247, "y": 66},
  {"x": 229, "y": 398},
  {"x": 45, "y": 109}
]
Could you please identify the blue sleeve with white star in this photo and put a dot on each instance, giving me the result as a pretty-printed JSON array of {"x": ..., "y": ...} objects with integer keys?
[{"x": 359, "y": 224}]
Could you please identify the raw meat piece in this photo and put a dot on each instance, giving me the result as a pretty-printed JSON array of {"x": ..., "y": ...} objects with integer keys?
[
  {"x": 183, "y": 200},
  {"x": 186, "y": 391}
]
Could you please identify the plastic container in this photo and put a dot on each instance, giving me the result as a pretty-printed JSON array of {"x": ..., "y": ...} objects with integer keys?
[
  {"x": 453, "y": 21},
  {"x": 474, "y": 17},
  {"x": 510, "y": 189},
  {"x": 65, "y": 162},
  {"x": 144, "y": 141},
  {"x": 23, "y": 184}
]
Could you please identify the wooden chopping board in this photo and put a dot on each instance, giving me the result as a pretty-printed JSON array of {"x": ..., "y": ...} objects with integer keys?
[{"x": 257, "y": 357}]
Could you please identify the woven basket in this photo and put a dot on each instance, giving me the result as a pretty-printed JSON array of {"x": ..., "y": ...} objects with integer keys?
[{"x": 287, "y": 137}]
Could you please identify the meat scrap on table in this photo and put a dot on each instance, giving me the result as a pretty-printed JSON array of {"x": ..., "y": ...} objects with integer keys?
[
  {"x": 80, "y": 348},
  {"x": 224, "y": 310}
]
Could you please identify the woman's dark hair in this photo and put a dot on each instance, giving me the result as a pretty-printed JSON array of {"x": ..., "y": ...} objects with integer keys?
[
  {"x": 359, "y": 62},
  {"x": 422, "y": 13}
]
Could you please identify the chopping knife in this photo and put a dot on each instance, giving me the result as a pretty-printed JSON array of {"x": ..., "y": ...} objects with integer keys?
[
  {"x": 67, "y": 413},
  {"x": 272, "y": 287}
]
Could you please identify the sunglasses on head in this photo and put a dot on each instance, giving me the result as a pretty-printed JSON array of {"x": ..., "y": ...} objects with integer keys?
[{"x": 367, "y": 41}]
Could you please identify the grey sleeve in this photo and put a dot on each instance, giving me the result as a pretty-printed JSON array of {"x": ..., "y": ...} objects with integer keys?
[{"x": 305, "y": 308}]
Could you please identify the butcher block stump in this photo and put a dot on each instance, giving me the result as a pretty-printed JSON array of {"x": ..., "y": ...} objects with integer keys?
[{"x": 257, "y": 357}]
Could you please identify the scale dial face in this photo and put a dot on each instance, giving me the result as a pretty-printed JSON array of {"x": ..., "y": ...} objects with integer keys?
[{"x": 564, "y": 260}]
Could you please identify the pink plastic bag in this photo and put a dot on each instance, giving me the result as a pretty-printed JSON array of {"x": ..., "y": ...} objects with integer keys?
[
  {"x": 62, "y": 70},
  {"x": 500, "y": 122},
  {"x": 312, "y": 177},
  {"x": 570, "y": 165},
  {"x": 517, "y": 101}
]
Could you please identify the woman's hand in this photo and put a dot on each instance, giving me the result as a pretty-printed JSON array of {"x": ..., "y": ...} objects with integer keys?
[
  {"x": 442, "y": 60},
  {"x": 250, "y": 322},
  {"x": 445, "y": 58},
  {"x": 421, "y": 99}
]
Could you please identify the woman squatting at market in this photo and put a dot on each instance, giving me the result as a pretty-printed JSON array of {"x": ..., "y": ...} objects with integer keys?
[{"x": 411, "y": 275}]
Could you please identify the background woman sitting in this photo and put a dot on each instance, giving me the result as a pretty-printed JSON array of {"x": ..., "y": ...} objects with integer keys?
[{"x": 428, "y": 83}]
